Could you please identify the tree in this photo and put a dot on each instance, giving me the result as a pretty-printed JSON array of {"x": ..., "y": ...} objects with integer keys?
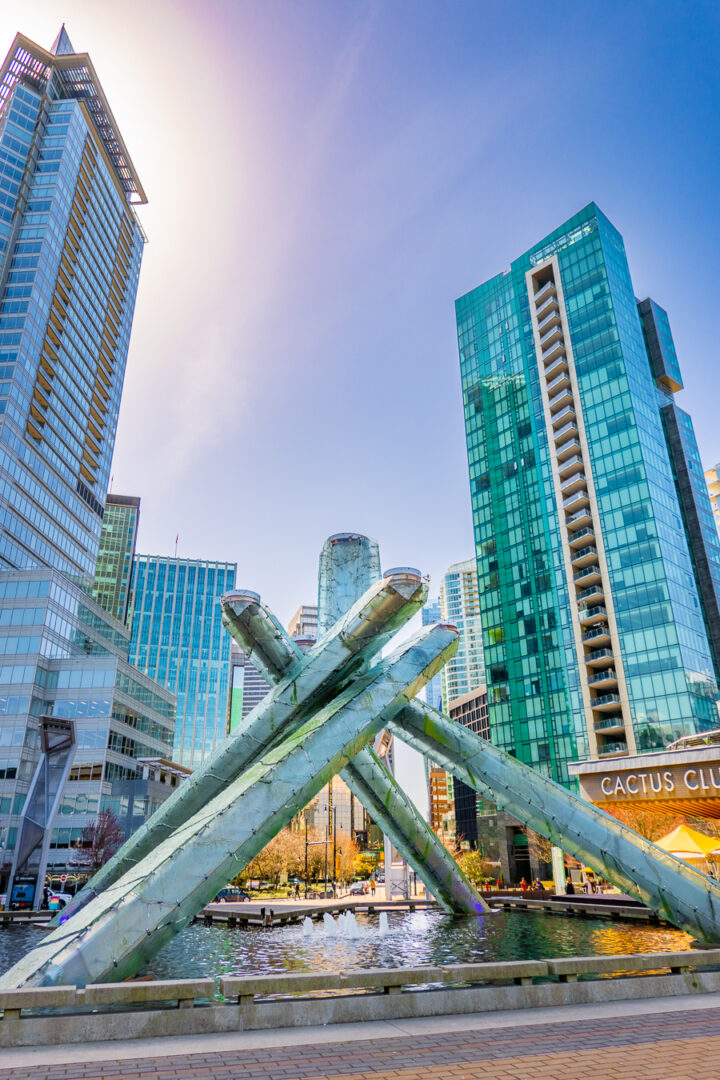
[
  {"x": 347, "y": 857},
  {"x": 476, "y": 869},
  {"x": 98, "y": 842},
  {"x": 540, "y": 849},
  {"x": 650, "y": 824}
]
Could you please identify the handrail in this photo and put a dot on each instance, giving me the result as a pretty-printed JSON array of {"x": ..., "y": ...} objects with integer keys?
[{"x": 244, "y": 988}]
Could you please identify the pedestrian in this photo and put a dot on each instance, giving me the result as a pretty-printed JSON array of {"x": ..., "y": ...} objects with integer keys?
[
  {"x": 499, "y": 883},
  {"x": 523, "y": 885},
  {"x": 297, "y": 889},
  {"x": 372, "y": 886},
  {"x": 569, "y": 887},
  {"x": 537, "y": 883}
]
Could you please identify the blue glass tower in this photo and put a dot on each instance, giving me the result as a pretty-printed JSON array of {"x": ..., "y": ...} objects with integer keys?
[
  {"x": 598, "y": 566},
  {"x": 70, "y": 251},
  {"x": 179, "y": 640}
]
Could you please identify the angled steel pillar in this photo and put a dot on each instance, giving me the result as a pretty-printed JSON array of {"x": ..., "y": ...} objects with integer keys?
[
  {"x": 676, "y": 892},
  {"x": 118, "y": 931},
  {"x": 368, "y": 779},
  {"x": 301, "y": 682}
]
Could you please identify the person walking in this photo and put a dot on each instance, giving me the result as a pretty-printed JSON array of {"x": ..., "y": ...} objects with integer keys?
[
  {"x": 372, "y": 886},
  {"x": 523, "y": 885},
  {"x": 569, "y": 887}
]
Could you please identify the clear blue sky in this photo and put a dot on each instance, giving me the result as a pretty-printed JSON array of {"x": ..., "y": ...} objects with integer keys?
[{"x": 325, "y": 178}]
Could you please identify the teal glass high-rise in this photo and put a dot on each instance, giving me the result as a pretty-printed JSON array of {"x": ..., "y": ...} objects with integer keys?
[
  {"x": 598, "y": 566},
  {"x": 70, "y": 252},
  {"x": 179, "y": 640}
]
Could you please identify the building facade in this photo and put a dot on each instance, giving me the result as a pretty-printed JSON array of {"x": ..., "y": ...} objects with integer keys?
[
  {"x": 178, "y": 639},
  {"x": 64, "y": 668},
  {"x": 76, "y": 716},
  {"x": 712, "y": 479},
  {"x": 114, "y": 567},
  {"x": 431, "y": 614},
  {"x": 70, "y": 252},
  {"x": 459, "y": 605},
  {"x": 597, "y": 624},
  {"x": 304, "y": 623}
]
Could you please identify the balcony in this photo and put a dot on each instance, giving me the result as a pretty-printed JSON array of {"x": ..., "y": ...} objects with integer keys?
[
  {"x": 553, "y": 334},
  {"x": 563, "y": 397},
  {"x": 588, "y": 575},
  {"x": 553, "y": 370},
  {"x": 546, "y": 307},
  {"x": 568, "y": 413},
  {"x": 566, "y": 431},
  {"x": 580, "y": 538},
  {"x": 606, "y": 702},
  {"x": 610, "y": 725},
  {"x": 593, "y": 594},
  {"x": 560, "y": 380},
  {"x": 572, "y": 446},
  {"x": 599, "y": 657},
  {"x": 612, "y": 748},
  {"x": 598, "y": 635},
  {"x": 582, "y": 517},
  {"x": 548, "y": 289},
  {"x": 590, "y": 615},
  {"x": 547, "y": 321},
  {"x": 570, "y": 465},
  {"x": 584, "y": 556},
  {"x": 606, "y": 678},
  {"x": 572, "y": 484},
  {"x": 578, "y": 499},
  {"x": 552, "y": 352}
]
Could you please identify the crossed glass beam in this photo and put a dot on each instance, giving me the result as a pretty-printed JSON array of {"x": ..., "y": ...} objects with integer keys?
[{"x": 319, "y": 719}]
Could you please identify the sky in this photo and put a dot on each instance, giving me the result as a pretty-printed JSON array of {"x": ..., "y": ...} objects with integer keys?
[{"x": 324, "y": 178}]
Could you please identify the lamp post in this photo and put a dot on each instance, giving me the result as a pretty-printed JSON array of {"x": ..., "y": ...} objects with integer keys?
[{"x": 306, "y": 852}]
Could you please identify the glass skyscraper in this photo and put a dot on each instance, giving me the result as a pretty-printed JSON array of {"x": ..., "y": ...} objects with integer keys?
[
  {"x": 179, "y": 640},
  {"x": 113, "y": 572},
  {"x": 70, "y": 251},
  {"x": 75, "y": 718},
  {"x": 597, "y": 561},
  {"x": 459, "y": 605},
  {"x": 429, "y": 614}
]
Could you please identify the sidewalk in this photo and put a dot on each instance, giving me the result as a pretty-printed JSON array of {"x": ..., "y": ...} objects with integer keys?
[{"x": 676, "y": 1038}]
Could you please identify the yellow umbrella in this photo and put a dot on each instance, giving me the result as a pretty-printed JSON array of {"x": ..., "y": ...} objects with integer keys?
[{"x": 687, "y": 843}]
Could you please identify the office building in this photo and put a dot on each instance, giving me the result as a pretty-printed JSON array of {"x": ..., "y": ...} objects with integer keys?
[
  {"x": 113, "y": 570},
  {"x": 471, "y": 710},
  {"x": 69, "y": 700},
  {"x": 70, "y": 251},
  {"x": 304, "y": 623},
  {"x": 179, "y": 640},
  {"x": 598, "y": 579},
  {"x": 712, "y": 479},
  {"x": 431, "y": 614},
  {"x": 460, "y": 605},
  {"x": 442, "y": 811},
  {"x": 255, "y": 687}
]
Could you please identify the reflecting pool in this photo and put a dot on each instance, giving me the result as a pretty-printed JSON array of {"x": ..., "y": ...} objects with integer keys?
[{"x": 413, "y": 938}]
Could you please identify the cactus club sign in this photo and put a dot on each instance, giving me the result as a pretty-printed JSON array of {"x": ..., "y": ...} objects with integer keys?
[{"x": 685, "y": 781}]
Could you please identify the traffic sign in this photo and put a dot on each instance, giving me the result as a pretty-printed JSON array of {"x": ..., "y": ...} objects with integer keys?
[{"x": 63, "y": 877}]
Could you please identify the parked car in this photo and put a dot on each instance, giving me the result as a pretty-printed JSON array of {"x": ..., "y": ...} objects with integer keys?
[
  {"x": 359, "y": 888},
  {"x": 231, "y": 896}
]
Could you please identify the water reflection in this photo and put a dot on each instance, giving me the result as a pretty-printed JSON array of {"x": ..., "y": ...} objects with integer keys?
[{"x": 413, "y": 938}]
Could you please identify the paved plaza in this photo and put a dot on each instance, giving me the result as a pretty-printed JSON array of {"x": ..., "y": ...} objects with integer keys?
[{"x": 649, "y": 1040}]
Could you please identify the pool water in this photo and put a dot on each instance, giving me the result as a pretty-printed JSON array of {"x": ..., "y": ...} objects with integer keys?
[{"x": 413, "y": 938}]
